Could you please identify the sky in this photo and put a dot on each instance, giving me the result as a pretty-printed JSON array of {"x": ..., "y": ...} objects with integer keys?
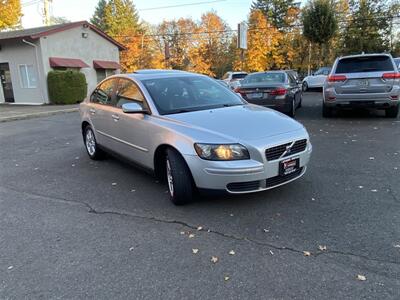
[{"x": 232, "y": 11}]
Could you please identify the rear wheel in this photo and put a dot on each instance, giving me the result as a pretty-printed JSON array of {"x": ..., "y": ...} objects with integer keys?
[
  {"x": 327, "y": 112},
  {"x": 292, "y": 111},
  {"x": 392, "y": 112},
  {"x": 179, "y": 178},
  {"x": 300, "y": 102},
  {"x": 91, "y": 145}
]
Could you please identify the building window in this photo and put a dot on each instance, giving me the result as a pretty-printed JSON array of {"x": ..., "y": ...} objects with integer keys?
[
  {"x": 28, "y": 76},
  {"x": 103, "y": 73}
]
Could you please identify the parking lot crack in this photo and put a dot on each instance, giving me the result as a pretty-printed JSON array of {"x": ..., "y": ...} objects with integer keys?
[{"x": 92, "y": 210}]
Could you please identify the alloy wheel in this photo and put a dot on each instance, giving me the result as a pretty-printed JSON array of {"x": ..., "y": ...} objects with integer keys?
[{"x": 90, "y": 142}]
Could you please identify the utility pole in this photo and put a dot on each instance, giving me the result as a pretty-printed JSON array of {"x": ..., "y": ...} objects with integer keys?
[{"x": 46, "y": 12}]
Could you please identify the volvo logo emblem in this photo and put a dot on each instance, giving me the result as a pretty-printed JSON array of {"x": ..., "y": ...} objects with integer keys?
[{"x": 288, "y": 149}]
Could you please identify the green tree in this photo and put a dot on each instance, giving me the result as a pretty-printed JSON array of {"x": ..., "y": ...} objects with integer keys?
[
  {"x": 98, "y": 16},
  {"x": 369, "y": 28},
  {"x": 120, "y": 16},
  {"x": 274, "y": 10},
  {"x": 10, "y": 14},
  {"x": 319, "y": 21}
]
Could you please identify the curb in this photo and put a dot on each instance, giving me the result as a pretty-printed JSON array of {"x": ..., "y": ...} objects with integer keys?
[{"x": 37, "y": 115}]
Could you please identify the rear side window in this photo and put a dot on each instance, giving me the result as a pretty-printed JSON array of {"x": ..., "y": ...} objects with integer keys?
[
  {"x": 239, "y": 76},
  {"x": 365, "y": 64}
]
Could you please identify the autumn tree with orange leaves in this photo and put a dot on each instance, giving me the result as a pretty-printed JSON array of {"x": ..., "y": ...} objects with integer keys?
[{"x": 262, "y": 42}]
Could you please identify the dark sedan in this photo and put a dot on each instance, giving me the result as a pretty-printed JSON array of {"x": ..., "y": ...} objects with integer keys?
[{"x": 274, "y": 89}]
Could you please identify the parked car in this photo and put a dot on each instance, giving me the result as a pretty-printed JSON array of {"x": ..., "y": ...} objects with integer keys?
[
  {"x": 273, "y": 89},
  {"x": 316, "y": 80},
  {"x": 194, "y": 133},
  {"x": 365, "y": 80},
  {"x": 233, "y": 78}
]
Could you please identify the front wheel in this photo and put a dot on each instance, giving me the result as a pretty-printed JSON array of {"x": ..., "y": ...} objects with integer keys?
[
  {"x": 91, "y": 145},
  {"x": 179, "y": 178},
  {"x": 392, "y": 112}
]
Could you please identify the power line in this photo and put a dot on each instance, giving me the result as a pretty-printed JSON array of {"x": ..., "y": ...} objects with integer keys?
[{"x": 181, "y": 5}]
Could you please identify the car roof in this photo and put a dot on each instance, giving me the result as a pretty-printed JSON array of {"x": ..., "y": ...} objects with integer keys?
[
  {"x": 157, "y": 73},
  {"x": 272, "y": 71},
  {"x": 365, "y": 55}
]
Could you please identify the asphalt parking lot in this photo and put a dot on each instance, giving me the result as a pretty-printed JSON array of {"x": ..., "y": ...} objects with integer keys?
[{"x": 73, "y": 228}]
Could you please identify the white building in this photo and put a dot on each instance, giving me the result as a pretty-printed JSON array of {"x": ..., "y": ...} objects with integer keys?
[{"x": 26, "y": 56}]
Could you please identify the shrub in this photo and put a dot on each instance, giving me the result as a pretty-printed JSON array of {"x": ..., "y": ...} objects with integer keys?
[{"x": 66, "y": 87}]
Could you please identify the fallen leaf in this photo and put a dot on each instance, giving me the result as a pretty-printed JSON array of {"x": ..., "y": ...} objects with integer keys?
[
  {"x": 231, "y": 252},
  {"x": 199, "y": 228},
  {"x": 361, "y": 277},
  {"x": 322, "y": 248},
  {"x": 307, "y": 253},
  {"x": 397, "y": 246},
  {"x": 191, "y": 236},
  {"x": 214, "y": 259},
  {"x": 372, "y": 158},
  {"x": 131, "y": 249},
  {"x": 133, "y": 191},
  {"x": 270, "y": 251},
  {"x": 10, "y": 267},
  {"x": 195, "y": 251},
  {"x": 374, "y": 191},
  {"x": 266, "y": 230},
  {"x": 312, "y": 199},
  {"x": 226, "y": 278},
  {"x": 182, "y": 232},
  {"x": 114, "y": 183}
]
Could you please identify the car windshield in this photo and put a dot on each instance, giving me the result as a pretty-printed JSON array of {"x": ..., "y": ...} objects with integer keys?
[
  {"x": 189, "y": 93},
  {"x": 365, "y": 64},
  {"x": 272, "y": 77}
]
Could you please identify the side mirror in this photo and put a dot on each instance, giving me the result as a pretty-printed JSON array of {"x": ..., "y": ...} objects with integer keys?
[{"x": 132, "y": 108}]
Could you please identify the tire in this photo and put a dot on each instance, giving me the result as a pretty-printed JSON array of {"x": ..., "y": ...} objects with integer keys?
[
  {"x": 92, "y": 148},
  {"x": 305, "y": 86},
  {"x": 392, "y": 112},
  {"x": 301, "y": 102},
  {"x": 292, "y": 112},
  {"x": 179, "y": 178},
  {"x": 327, "y": 112}
]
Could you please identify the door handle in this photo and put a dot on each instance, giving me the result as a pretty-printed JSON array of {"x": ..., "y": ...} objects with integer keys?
[
  {"x": 92, "y": 111},
  {"x": 115, "y": 117}
]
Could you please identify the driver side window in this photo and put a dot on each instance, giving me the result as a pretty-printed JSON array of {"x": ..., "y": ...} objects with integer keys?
[
  {"x": 103, "y": 94},
  {"x": 127, "y": 92}
]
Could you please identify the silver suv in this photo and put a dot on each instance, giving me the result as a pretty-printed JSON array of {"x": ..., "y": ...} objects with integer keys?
[{"x": 365, "y": 80}]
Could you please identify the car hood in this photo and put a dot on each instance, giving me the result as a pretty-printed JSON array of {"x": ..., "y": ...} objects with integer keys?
[{"x": 244, "y": 122}]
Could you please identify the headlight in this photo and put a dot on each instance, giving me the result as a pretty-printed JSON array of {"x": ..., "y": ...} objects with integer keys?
[{"x": 222, "y": 152}]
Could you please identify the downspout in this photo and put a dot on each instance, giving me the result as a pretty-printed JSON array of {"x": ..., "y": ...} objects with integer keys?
[{"x": 38, "y": 68}]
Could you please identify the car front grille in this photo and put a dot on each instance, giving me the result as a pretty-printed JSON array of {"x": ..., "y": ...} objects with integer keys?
[
  {"x": 273, "y": 181},
  {"x": 277, "y": 151},
  {"x": 243, "y": 186}
]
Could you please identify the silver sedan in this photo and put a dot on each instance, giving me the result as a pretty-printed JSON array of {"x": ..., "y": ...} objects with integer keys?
[{"x": 193, "y": 133}]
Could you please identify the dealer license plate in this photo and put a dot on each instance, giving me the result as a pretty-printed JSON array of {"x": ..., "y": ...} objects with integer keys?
[{"x": 288, "y": 166}]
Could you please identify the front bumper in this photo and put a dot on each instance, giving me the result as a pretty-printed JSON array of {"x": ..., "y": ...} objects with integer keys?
[{"x": 244, "y": 176}]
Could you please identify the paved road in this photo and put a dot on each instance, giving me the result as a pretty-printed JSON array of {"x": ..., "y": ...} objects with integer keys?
[{"x": 72, "y": 228}]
